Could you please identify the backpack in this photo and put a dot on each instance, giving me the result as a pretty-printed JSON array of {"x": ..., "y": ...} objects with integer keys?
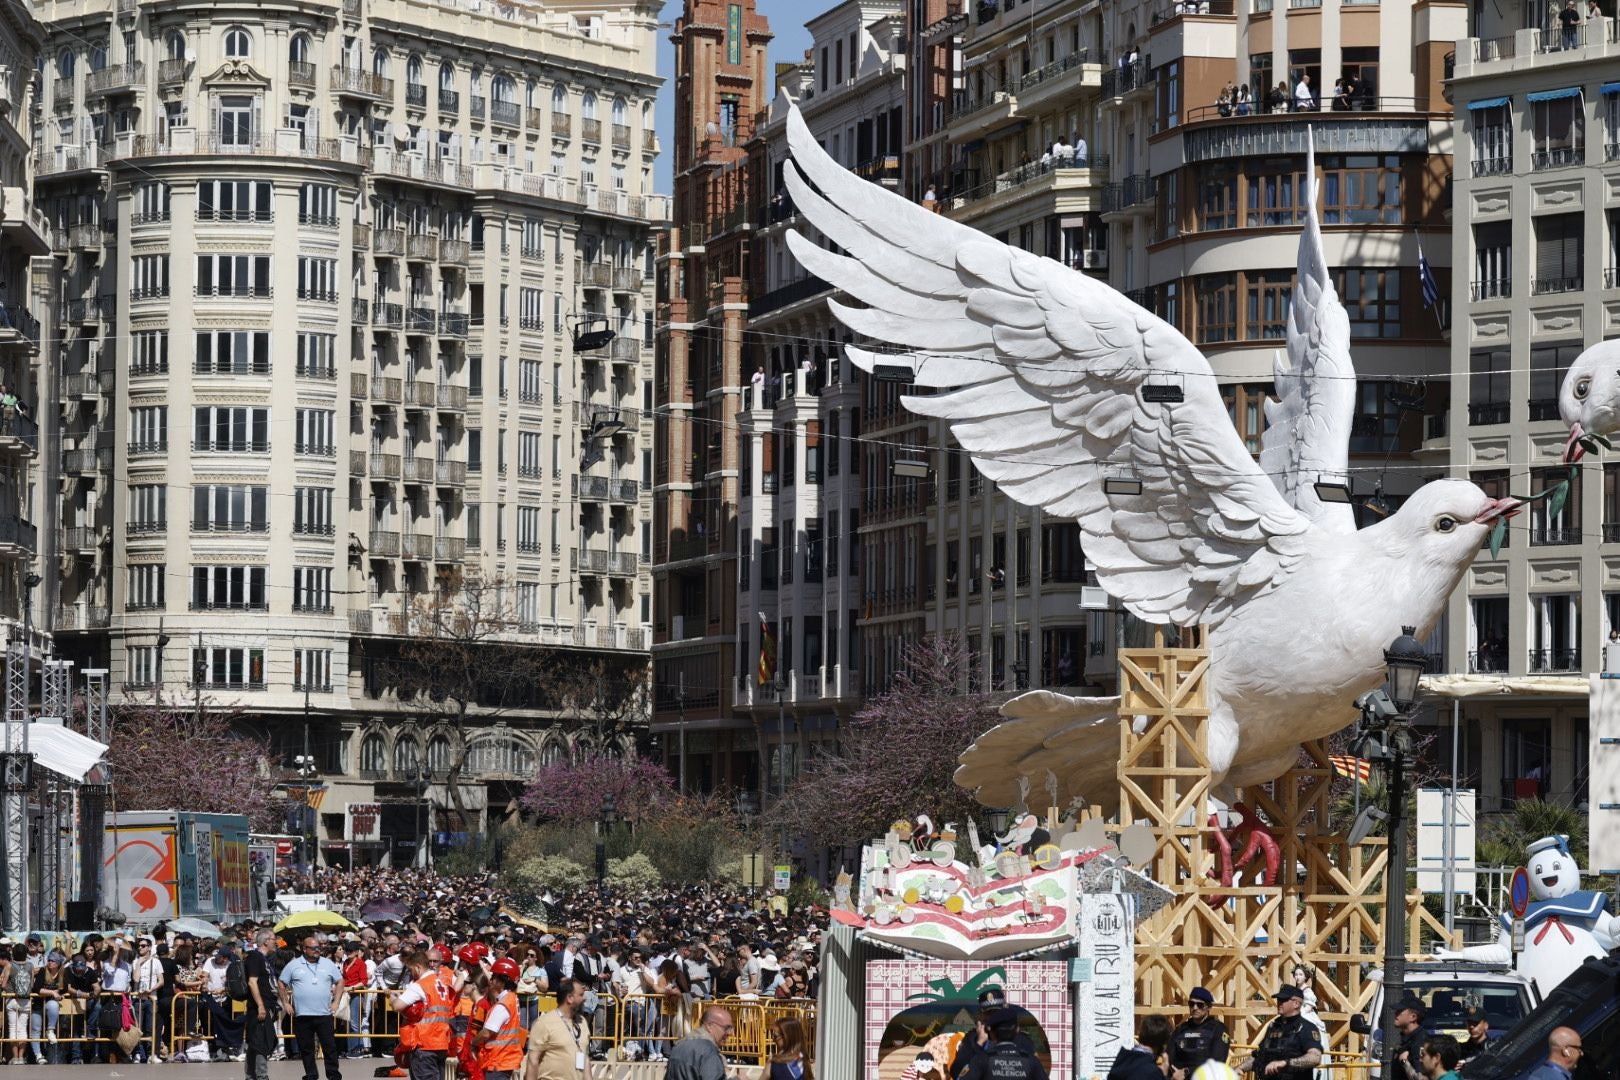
[{"x": 236, "y": 987}]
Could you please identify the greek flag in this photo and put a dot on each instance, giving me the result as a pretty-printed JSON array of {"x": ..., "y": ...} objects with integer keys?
[{"x": 1431, "y": 288}]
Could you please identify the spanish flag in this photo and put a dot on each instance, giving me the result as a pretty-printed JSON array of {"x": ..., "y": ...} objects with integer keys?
[{"x": 767, "y": 652}]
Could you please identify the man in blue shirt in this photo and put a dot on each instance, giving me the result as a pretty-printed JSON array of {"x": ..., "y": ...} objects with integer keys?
[
  {"x": 1563, "y": 1051},
  {"x": 309, "y": 990}
]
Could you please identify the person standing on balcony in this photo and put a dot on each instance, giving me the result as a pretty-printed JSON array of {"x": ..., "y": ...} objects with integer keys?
[
  {"x": 1569, "y": 21},
  {"x": 1304, "y": 98}
]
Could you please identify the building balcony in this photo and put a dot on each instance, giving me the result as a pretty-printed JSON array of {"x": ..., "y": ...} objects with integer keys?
[
  {"x": 384, "y": 466},
  {"x": 300, "y": 74},
  {"x": 90, "y": 309},
  {"x": 354, "y": 82},
  {"x": 1490, "y": 661},
  {"x": 420, "y": 470},
  {"x": 84, "y": 539},
  {"x": 23, "y": 226},
  {"x": 452, "y": 399},
  {"x": 1028, "y": 182},
  {"x": 18, "y": 327},
  {"x": 624, "y": 491},
  {"x": 1494, "y": 289},
  {"x": 505, "y": 113},
  {"x": 417, "y": 547},
  {"x": 278, "y": 143},
  {"x": 449, "y": 549},
  {"x": 1485, "y": 413},
  {"x": 589, "y": 488},
  {"x": 87, "y": 461},
  {"x": 453, "y": 324},
  {"x": 1120, "y": 80},
  {"x": 384, "y": 545},
  {"x": 387, "y": 316},
  {"x": 19, "y": 434},
  {"x": 387, "y": 241},
  {"x": 118, "y": 79},
  {"x": 592, "y": 561},
  {"x": 449, "y": 100},
  {"x": 1134, "y": 194},
  {"x": 795, "y": 292},
  {"x": 77, "y": 617},
  {"x": 87, "y": 386},
  {"x": 625, "y": 349},
  {"x": 454, "y": 252},
  {"x": 416, "y": 95},
  {"x": 590, "y": 130},
  {"x": 387, "y": 389},
  {"x": 1567, "y": 283},
  {"x": 420, "y": 395},
  {"x": 68, "y": 159},
  {"x": 357, "y": 463},
  {"x": 974, "y": 117},
  {"x": 1501, "y": 165},
  {"x": 173, "y": 72},
  {"x": 422, "y": 247},
  {"x": 420, "y": 320},
  {"x": 451, "y": 473},
  {"x": 1546, "y": 661},
  {"x": 18, "y": 537},
  {"x": 594, "y": 275},
  {"x": 477, "y": 106}
]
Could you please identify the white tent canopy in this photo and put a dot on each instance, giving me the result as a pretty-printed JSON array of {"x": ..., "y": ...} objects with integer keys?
[
  {"x": 1468, "y": 686},
  {"x": 63, "y": 751}
]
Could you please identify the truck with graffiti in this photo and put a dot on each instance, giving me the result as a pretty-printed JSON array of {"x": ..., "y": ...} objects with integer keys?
[{"x": 165, "y": 864}]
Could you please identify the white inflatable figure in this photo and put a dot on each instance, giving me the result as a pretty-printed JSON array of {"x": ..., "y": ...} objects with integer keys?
[{"x": 1564, "y": 926}]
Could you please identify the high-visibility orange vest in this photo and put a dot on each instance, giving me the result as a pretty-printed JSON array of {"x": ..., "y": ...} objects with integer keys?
[
  {"x": 432, "y": 1032},
  {"x": 504, "y": 1053}
]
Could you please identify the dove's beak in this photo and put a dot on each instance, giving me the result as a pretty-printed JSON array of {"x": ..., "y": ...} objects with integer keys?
[
  {"x": 1573, "y": 450},
  {"x": 1498, "y": 508}
]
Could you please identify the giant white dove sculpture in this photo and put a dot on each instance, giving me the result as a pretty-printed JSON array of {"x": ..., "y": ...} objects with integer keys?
[
  {"x": 1589, "y": 400},
  {"x": 1040, "y": 373}
]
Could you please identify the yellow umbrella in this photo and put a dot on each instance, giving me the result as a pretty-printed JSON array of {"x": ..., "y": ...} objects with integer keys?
[{"x": 314, "y": 919}]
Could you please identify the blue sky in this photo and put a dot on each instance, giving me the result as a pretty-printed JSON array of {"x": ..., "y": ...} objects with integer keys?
[{"x": 787, "y": 23}]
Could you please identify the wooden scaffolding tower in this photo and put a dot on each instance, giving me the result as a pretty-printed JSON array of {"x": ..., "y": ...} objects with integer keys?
[{"x": 1243, "y": 941}]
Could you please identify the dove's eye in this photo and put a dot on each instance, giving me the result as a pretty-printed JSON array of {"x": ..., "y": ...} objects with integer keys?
[
  {"x": 1445, "y": 524},
  {"x": 1582, "y": 386}
]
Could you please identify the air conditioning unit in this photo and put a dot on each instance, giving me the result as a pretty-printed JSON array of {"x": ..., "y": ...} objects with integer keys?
[
  {"x": 1095, "y": 598},
  {"x": 1094, "y": 259}
]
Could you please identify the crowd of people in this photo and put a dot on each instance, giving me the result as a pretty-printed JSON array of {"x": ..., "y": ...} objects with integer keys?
[{"x": 642, "y": 965}]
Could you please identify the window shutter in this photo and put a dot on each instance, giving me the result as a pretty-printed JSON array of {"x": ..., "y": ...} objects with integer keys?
[
  {"x": 259, "y": 511},
  {"x": 199, "y": 506}
]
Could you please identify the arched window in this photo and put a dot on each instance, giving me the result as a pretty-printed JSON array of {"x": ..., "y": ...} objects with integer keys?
[
  {"x": 554, "y": 752},
  {"x": 621, "y": 112},
  {"x": 500, "y": 755},
  {"x": 174, "y": 44},
  {"x": 529, "y": 90},
  {"x": 587, "y": 106},
  {"x": 413, "y": 70},
  {"x": 406, "y": 755},
  {"x": 238, "y": 43},
  {"x": 373, "y": 754},
  {"x": 438, "y": 753},
  {"x": 504, "y": 90},
  {"x": 379, "y": 62},
  {"x": 298, "y": 49},
  {"x": 98, "y": 55},
  {"x": 447, "y": 77},
  {"x": 559, "y": 98},
  {"x": 64, "y": 64}
]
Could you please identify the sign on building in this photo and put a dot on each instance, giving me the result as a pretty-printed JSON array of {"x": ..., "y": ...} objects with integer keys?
[{"x": 363, "y": 821}]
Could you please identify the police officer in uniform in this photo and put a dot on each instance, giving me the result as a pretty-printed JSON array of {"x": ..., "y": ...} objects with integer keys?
[
  {"x": 1199, "y": 1038},
  {"x": 1479, "y": 1033},
  {"x": 991, "y": 1002},
  {"x": 1291, "y": 1047},
  {"x": 1006, "y": 1057}
]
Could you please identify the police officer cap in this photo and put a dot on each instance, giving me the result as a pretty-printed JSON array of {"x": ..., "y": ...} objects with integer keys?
[
  {"x": 1476, "y": 1015},
  {"x": 993, "y": 998},
  {"x": 1289, "y": 993},
  {"x": 1415, "y": 1005},
  {"x": 1002, "y": 1018},
  {"x": 1202, "y": 995}
]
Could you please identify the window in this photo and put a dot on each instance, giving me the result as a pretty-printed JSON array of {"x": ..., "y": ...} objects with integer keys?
[
  {"x": 229, "y": 508},
  {"x": 233, "y": 352},
  {"x": 1492, "y": 130},
  {"x": 312, "y": 670},
  {"x": 1372, "y": 299},
  {"x": 529, "y": 446},
  {"x": 151, "y": 202},
  {"x": 1217, "y": 197},
  {"x": 298, "y": 49},
  {"x": 64, "y": 64},
  {"x": 148, "y": 508},
  {"x": 1560, "y": 249},
  {"x": 314, "y": 432},
  {"x": 1246, "y": 405},
  {"x": 1489, "y": 380},
  {"x": 146, "y": 587},
  {"x": 528, "y": 604},
  {"x": 528, "y": 534},
  {"x": 1061, "y": 558},
  {"x": 317, "y": 279},
  {"x": 1546, "y": 527},
  {"x": 312, "y": 511},
  {"x": 1269, "y": 293},
  {"x": 148, "y": 276},
  {"x": 1272, "y": 194},
  {"x": 174, "y": 45},
  {"x": 233, "y": 275},
  {"x": 238, "y": 429},
  {"x": 236, "y": 120},
  {"x": 534, "y": 239},
  {"x": 1548, "y": 366},
  {"x": 149, "y": 352},
  {"x": 379, "y": 62},
  {"x": 1361, "y": 190},
  {"x": 317, "y": 355},
  {"x": 1168, "y": 95},
  {"x": 317, "y": 204},
  {"x": 98, "y": 56},
  {"x": 312, "y": 589},
  {"x": 143, "y": 665},
  {"x": 530, "y": 310},
  {"x": 475, "y": 451},
  {"x": 233, "y": 200},
  {"x": 228, "y": 668},
  {"x": 238, "y": 43},
  {"x": 587, "y": 106},
  {"x": 1376, "y": 426},
  {"x": 531, "y": 381},
  {"x": 149, "y": 429},
  {"x": 233, "y": 588},
  {"x": 1558, "y": 122},
  {"x": 1493, "y": 260},
  {"x": 1217, "y": 308}
]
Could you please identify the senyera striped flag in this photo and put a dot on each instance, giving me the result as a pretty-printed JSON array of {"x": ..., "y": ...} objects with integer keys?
[{"x": 1351, "y": 767}]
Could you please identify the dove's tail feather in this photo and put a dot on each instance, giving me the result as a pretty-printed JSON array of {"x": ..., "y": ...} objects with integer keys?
[{"x": 1076, "y": 738}]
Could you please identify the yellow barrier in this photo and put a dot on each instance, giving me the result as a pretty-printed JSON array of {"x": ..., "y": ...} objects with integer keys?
[{"x": 58, "y": 1030}]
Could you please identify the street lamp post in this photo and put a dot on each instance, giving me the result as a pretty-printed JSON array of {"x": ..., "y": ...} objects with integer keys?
[
  {"x": 608, "y": 817},
  {"x": 423, "y": 822},
  {"x": 305, "y": 766},
  {"x": 1385, "y": 736}
]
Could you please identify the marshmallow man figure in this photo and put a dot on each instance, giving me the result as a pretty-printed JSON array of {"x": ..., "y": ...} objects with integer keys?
[{"x": 1564, "y": 926}]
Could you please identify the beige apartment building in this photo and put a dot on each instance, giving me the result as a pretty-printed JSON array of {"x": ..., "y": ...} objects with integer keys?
[
  {"x": 357, "y": 307},
  {"x": 1536, "y": 226}
]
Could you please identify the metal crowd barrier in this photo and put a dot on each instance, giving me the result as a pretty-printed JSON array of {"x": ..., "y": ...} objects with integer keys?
[{"x": 53, "y": 1035}]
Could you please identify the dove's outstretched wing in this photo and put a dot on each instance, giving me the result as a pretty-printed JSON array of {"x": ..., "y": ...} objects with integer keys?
[
  {"x": 1044, "y": 371},
  {"x": 1076, "y": 740},
  {"x": 1307, "y": 435}
]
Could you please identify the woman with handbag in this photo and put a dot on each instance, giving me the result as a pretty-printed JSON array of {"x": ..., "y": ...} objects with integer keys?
[
  {"x": 50, "y": 988},
  {"x": 81, "y": 1004},
  {"x": 117, "y": 1015}
]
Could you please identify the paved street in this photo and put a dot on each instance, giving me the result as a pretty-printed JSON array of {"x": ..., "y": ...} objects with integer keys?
[{"x": 223, "y": 1070}]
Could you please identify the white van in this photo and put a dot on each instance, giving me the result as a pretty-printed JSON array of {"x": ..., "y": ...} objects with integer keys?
[{"x": 1449, "y": 988}]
